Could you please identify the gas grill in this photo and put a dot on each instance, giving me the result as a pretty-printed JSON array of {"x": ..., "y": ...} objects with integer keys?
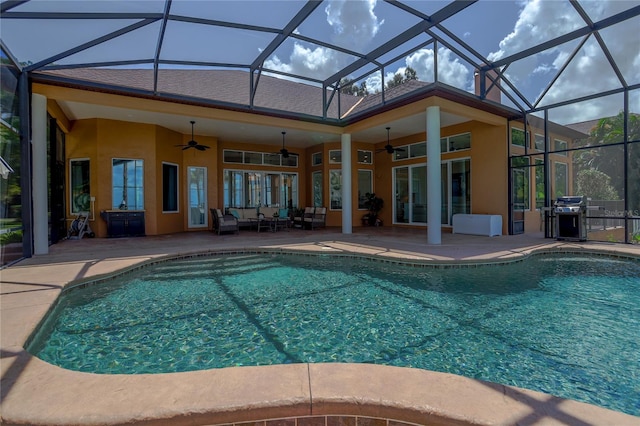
[{"x": 571, "y": 218}]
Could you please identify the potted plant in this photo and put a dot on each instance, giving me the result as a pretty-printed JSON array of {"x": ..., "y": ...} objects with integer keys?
[{"x": 374, "y": 205}]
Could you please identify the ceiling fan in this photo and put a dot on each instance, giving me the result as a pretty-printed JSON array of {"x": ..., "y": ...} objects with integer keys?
[
  {"x": 284, "y": 151},
  {"x": 388, "y": 147},
  {"x": 192, "y": 143}
]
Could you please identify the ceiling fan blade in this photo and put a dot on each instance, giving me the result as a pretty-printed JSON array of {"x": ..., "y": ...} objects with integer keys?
[
  {"x": 399, "y": 149},
  {"x": 187, "y": 147}
]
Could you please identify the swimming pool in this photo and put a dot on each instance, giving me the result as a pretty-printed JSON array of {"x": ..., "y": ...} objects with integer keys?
[{"x": 565, "y": 325}]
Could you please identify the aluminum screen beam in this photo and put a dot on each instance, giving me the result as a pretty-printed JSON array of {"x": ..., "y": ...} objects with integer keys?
[{"x": 444, "y": 13}]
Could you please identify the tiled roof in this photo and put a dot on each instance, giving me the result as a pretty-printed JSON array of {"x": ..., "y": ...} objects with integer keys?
[
  {"x": 584, "y": 126},
  {"x": 225, "y": 86},
  {"x": 373, "y": 100}
]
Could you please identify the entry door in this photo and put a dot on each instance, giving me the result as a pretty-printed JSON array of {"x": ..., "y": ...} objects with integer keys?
[
  {"x": 197, "y": 190},
  {"x": 519, "y": 198}
]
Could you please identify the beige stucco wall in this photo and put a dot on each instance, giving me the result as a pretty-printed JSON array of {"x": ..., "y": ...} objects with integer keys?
[{"x": 101, "y": 140}]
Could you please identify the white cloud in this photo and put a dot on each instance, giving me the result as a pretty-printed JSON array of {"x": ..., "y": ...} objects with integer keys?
[
  {"x": 589, "y": 72},
  {"x": 450, "y": 70},
  {"x": 353, "y": 24}
]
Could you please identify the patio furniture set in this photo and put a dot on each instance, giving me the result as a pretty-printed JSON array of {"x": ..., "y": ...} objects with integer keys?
[{"x": 266, "y": 219}]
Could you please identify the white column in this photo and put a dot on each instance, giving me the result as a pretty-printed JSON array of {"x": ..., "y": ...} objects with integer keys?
[
  {"x": 347, "y": 212},
  {"x": 39, "y": 174},
  {"x": 434, "y": 183}
]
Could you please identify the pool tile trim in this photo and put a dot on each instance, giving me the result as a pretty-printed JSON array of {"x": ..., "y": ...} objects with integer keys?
[{"x": 43, "y": 394}]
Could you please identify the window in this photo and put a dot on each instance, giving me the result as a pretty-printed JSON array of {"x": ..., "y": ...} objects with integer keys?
[
  {"x": 418, "y": 150},
  {"x": 197, "y": 194},
  {"x": 335, "y": 156},
  {"x": 169, "y": 187},
  {"x": 265, "y": 158},
  {"x": 272, "y": 159},
  {"x": 289, "y": 190},
  {"x": 290, "y": 161},
  {"x": 317, "y": 188},
  {"x": 520, "y": 183},
  {"x": 559, "y": 145},
  {"x": 365, "y": 186},
  {"x": 127, "y": 184},
  {"x": 517, "y": 137},
  {"x": 560, "y": 180},
  {"x": 246, "y": 189},
  {"x": 539, "y": 142},
  {"x": 232, "y": 156},
  {"x": 316, "y": 159},
  {"x": 401, "y": 155},
  {"x": 539, "y": 166},
  {"x": 365, "y": 157},
  {"x": 80, "y": 185},
  {"x": 455, "y": 143},
  {"x": 271, "y": 186},
  {"x": 401, "y": 185},
  {"x": 335, "y": 189},
  {"x": 460, "y": 178},
  {"x": 253, "y": 158}
]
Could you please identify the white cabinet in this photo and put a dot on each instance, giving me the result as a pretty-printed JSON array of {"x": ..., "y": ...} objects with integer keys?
[{"x": 477, "y": 224}]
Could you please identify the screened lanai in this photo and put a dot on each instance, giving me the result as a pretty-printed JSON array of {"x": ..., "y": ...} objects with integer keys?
[{"x": 337, "y": 64}]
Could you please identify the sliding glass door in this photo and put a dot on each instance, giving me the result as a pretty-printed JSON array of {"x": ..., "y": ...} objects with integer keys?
[{"x": 410, "y": 183}]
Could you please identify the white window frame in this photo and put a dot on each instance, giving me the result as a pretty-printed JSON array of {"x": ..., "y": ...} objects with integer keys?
[{"x": 205, "y": 203}]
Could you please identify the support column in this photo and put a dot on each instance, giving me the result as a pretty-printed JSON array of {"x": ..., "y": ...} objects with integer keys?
[
  {"x": 347, "y": 209},
  {"x": 434, "y": 178},
  {"x": 39, "y": 174},
  {"x": 25, "y": 165}
]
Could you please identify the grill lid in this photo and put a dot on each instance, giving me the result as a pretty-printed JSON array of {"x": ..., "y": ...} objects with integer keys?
[{"x": 569, "y": 200}]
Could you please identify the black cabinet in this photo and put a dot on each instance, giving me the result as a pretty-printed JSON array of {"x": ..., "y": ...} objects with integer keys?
[{"x": 124, "y": 223}]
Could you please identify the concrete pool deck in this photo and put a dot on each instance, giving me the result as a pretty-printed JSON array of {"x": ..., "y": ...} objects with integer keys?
[{"x": 37, "y": 393}]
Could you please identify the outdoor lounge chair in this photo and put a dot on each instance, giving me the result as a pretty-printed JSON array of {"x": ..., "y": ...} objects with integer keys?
[
  {"x": 224, "y": 222},
  {"x": 298, "y": 221},
  {"x": 316, "y": 219}
]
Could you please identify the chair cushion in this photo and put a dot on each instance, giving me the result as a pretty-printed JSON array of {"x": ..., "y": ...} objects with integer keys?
[
  {"x": 234, "y": 213},
  {"x": 220, "y": 216},
  {"x": 283, "y": 212}
]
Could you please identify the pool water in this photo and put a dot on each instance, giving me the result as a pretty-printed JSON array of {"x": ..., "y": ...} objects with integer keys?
[{"x": 564, "y": 325}]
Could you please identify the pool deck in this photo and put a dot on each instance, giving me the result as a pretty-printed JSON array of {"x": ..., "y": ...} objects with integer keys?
[{"x": 36, "y": 393}]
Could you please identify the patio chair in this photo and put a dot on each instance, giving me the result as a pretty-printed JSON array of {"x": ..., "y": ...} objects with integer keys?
[
  {"x": 317, "y": 219},
  {"x": 299, "y": 221},
  {"x": 224, "y": 222}
]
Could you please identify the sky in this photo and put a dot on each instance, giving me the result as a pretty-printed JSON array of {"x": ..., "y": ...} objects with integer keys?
[
  {"x": 493, "y": 28},
  {"x": 518, "y": 25}
]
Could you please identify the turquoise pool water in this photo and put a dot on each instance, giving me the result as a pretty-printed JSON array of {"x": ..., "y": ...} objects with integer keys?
[{"x": 565, "y": 325}]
